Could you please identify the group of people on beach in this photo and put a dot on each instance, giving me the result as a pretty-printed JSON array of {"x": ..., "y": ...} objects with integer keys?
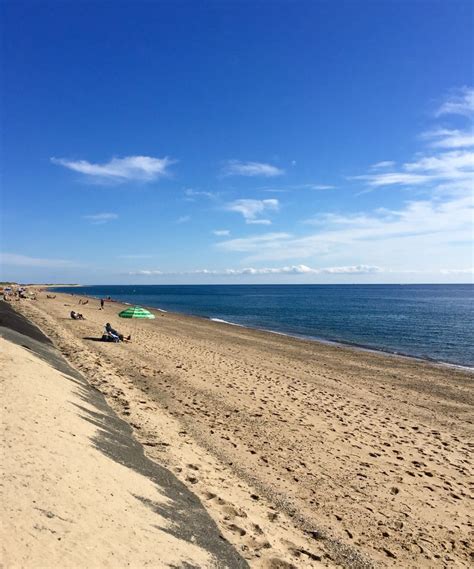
[{"x": 16, "y": 293}]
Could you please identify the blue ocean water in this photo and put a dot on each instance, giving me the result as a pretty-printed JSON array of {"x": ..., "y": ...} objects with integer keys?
[{"x": 427, "y": 321}]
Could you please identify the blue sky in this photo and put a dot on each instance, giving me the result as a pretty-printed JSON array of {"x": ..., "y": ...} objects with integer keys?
[{"x": 234, "y": 142}]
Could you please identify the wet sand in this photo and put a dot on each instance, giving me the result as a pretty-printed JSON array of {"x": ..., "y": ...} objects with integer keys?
[{"x": 305, "y": 454}]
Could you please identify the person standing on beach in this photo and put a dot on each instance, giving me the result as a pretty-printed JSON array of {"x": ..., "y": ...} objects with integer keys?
[{"x": 101, "y": 304}]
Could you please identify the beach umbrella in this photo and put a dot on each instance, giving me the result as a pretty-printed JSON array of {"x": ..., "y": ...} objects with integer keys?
[{"x": 136, "y": 312}]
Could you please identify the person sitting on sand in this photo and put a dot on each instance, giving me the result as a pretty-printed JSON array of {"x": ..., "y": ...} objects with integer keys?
[
  {"x": 76, "y": 315},
  {"x": 111, "y": 332}
]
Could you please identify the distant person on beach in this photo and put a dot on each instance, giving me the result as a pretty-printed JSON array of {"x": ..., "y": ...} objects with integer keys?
[
  {"x": 76, "y": 315},
  {"x": 101, "y": 304},
  {"x": 112, "y": 332}
]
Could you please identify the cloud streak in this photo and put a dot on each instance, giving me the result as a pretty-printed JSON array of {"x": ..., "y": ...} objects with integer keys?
[
  {"x": 447, "y": 167},
  {"x": 238, "y": 168},
  {"x": 100, "y": 218},
  {"x": 119, "y": 170}
]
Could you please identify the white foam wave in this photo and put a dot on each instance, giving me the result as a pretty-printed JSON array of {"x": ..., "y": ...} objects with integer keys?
[{"x": 226, "y": 322}]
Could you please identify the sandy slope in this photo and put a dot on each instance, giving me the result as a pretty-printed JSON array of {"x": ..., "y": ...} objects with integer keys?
[
  {"x": 302, "y": 452},
  {"x": 64, "y": 502}
]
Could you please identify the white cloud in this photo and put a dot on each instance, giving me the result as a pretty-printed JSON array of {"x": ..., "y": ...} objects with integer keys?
[
  {"x": 100, "y": 218},
  {"x": 221, "y": 232},
  {"x": 393, "y": 179},
  {"x": 12, "y": 259},
  {"x": 423, "y": 235},
  {"x": 238, "y": 168},
  {"x": 444, "y": 172},
  {"x": 447, "y": 168},
  {"x": 460, "y": 102},
  {"x": 319, "y": 187},
  {"x": 449, "y": 138},
  {"x": 353, "y": 270},
  {"x": 258, "y": 222},
  {"x": 298, "y": 187},
  {"x": 129, "y": 168},
  {"x": 290, "y": 270},
  {"x": 250, "y": 209},
  {"x": 410, "y": 230},
  {"x": 147, "y": 272}
]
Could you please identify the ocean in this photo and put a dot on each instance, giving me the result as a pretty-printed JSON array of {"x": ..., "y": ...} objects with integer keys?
[{"x": 434, "y": 322}]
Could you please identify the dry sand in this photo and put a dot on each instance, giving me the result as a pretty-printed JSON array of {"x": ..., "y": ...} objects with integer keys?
[
  {"x": 304, "y": 454},
  {"x": 76, "y": 488}
]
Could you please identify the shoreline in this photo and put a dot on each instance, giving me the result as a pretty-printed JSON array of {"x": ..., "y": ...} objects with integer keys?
[{"x": 335, "y": 343}]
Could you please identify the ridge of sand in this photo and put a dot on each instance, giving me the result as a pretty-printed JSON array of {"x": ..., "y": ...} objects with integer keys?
[{"x": 303, "y": 452}]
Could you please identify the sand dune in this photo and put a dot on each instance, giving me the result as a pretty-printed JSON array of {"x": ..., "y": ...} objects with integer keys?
[{"x": 304, "y": 454}]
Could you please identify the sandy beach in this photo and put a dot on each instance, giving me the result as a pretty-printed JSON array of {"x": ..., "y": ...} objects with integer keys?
[
  {"x": 304, "y": 454},
  {"x": 77, "y": 490}
]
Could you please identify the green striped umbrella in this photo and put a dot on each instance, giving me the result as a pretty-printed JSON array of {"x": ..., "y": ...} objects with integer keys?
[{"x": 136, "y": 312}]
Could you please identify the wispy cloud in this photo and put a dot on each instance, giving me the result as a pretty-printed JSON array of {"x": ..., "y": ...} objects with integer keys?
[
  {"x": 447, "y": 166},
  {"x": 183, "y": 219},
  {"x": 460, "y": 102},
  {"x": 251, "y": 209},
  {"x": 446, "y": 138},
  {"x": 221, "y": 232},
  {"x": 267, "y": 243},
  {"x": 13, "y": 259},
  {"x": 393, "y": 179},
  {"x": 382, "y": 165},
  {"x": 319, "y": 187},
  {"x": 419, "y": 225},
  {"x": 100, "y": 218},
  {"x": 192, "y": 195},
  {"x": 258, "y": 222},
  {"x": 447, "y": 172},
  {"x": 289, "y": 188},
  {"x": 290, "y": 270},
  {"x": 129, "y": 168},
  {"x": 238, "y": 168}
]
